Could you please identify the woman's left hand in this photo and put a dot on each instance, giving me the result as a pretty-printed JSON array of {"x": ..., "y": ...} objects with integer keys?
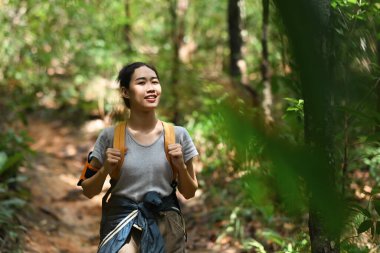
[{"x": 175, "y": 152}]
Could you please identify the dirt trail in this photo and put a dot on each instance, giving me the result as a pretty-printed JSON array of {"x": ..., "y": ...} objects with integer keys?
[{"x": 59, "y": 219}]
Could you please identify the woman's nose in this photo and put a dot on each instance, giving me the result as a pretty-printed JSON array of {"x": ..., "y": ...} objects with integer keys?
[{"x": 150, "y": 86}]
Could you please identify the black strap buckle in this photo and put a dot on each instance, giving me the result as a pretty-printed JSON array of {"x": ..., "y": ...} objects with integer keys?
[{"x": 174, "y": 184}]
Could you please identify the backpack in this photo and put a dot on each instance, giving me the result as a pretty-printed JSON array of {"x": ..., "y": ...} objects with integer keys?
[{"x": 119, "y": 143}]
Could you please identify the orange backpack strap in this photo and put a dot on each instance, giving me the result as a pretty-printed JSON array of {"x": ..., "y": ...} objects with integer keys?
[
  {"x": 119, "y": 143},
  {"x": 87, "y": 171},
  {"x": 169, "y": 139}
]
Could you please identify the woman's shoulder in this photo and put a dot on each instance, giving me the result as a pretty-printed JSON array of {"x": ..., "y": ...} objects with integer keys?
[
  {"x": 107, "y": 133},
  {"x": 181, "y": 134},
  {"x": 180, "y": 129}
]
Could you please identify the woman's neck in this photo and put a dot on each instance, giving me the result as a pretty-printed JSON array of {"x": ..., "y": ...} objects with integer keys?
[{"x": 143, "y": 121}]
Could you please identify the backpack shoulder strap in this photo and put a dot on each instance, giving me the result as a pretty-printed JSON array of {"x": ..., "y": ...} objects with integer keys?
[
  {"x": 119, "y": 143},
  {"x": 169, "y": 139}
]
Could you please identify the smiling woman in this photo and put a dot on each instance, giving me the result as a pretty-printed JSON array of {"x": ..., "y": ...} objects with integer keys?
[
  {"x": 142, "y": 86},
  {"x": 140, "y": 212}
]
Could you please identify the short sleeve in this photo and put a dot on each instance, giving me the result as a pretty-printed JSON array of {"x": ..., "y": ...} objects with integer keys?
[
  {"x": 188, "y": 148},
  {"x": 104, "y": 141}
]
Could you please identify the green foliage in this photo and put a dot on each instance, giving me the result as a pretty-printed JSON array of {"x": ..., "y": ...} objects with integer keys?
[
  {"x": 10, "y": 203},
  {"x": 56, "y": 49},
  {"x": 364, "y": 223},
  {"x": 14, "y": 148},
  {"x": 371, "y": 158},
  {"x": 300, "y": 244},
  {"x": 371, "y": 214},
  {"x": 258, "y": 194},
  {"x": 254, "y": 244},
  {"x": 352, "y": 248},
  {"x": 357, "y": 8},
  {"x": 235, "y": 226},
  {"x": 296, "y": 106}
]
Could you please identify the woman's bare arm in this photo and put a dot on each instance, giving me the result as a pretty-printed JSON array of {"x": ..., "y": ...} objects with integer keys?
[
  {"x": 93, "y": 185},
  {"x": 187, "y": 180}
]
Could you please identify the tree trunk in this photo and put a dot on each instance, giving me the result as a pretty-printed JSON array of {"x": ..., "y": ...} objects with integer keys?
[
  {"x": 318, "y": 128},
  {"x": 127, "y": 27},
  {"x": 177, "y": 11},
  {"x": 235, "y": 39},
  {"x": 238, "y": 69},
  {"x": 307, "y": 22},
  {"x": 378, "y": 67},
  {"x": 265, "y": 69}
]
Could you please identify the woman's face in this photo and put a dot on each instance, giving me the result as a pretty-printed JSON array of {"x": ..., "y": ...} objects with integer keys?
[{"x": 144, "y": 89}]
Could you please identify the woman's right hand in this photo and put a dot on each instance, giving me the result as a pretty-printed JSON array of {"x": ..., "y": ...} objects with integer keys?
[
  {"x": 93, "y": 186},
  {"x": 113, "y": 157}
]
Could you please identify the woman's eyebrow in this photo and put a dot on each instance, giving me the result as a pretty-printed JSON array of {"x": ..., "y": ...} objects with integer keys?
[{"x": 144, "y": 78}]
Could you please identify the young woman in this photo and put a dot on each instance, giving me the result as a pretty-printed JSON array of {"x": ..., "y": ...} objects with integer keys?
[{"x": 142, "y": 214}]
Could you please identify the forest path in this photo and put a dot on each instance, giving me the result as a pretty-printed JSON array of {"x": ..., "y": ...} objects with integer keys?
[{"x": 59, "y": 219}]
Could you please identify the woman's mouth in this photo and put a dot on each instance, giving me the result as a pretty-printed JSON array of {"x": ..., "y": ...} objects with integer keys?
[{"x": 151, "y": 98}]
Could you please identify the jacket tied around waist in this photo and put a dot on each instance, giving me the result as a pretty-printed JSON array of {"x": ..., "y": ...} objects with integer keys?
[{"x": 120, "y": 215}]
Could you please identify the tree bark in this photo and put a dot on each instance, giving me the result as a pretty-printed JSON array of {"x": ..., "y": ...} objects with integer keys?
[
  {"x": 318, "y": 127},
  {"x": 378, "y": 67},
  {"x": 238, "y": 70},
  {"x": 265, "y": 69},
  {"x": 307, "y": 22},
  {"x": 128, "y": 27},
  {"x": 235, "y": 39},
  {"x": 177, "y": 12}
]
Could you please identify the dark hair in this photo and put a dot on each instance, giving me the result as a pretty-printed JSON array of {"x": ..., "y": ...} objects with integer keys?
[{"x": 125, "y": 75}]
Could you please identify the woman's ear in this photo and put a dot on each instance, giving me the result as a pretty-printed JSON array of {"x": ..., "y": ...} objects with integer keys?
[{"x": 124, "y": 92}]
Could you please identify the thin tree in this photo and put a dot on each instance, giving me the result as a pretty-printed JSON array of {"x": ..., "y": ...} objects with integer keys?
[
  {"x": 178, "y": 9},
  {"x": 238, "y": 71},
  {"x": 265, "y": 69},
  {"x": 127, "y": 27},
  {"x": 378, "y": 68}
]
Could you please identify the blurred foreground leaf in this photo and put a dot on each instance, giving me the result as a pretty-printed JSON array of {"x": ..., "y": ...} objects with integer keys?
[{"x": 298, "y": 171}]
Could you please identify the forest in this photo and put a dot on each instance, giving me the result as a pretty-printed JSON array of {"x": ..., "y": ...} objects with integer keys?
[{"x": 281, "y": 98}]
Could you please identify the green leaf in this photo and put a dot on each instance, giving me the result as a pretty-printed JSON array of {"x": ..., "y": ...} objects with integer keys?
[
  {"x": 376, "y": 205},
  {"x": 375, "y": 190},
  {"x": 292, "y": 100},
  {"x": 364, "y": 226},
  {"x": 14, "y": 202},
  {"x": 274, "y": 237},
  {"x": 12, "y": 162},
  {"x": 361, "y": 210},
  {"x": 339, "y": 31},
  {"x": 3, "y": 160},
  {"x": 253, "y": 244}
]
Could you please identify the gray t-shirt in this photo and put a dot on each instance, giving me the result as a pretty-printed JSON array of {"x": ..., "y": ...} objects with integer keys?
[{"x": 145, "y": 167}]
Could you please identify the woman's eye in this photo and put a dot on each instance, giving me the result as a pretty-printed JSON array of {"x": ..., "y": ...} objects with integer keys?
[
  {"x": 155, "y": 82},
  {"x": 141, "y": 83}
]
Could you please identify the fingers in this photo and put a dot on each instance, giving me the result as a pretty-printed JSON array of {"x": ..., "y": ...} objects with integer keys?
[
  {"x": 113, "y": 160},
  {"x": 174, "y": 146},
  {"x": 113, "y": 151},
  {"x": 113, "y": 155},
  {"x": 175, "y": 150}
]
